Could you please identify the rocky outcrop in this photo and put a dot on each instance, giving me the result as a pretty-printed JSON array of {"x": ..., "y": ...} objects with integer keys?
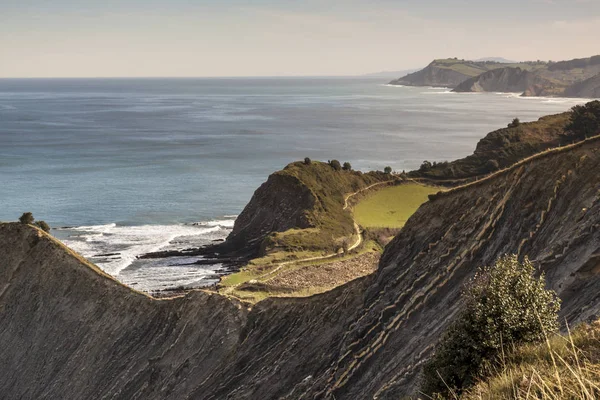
[
  {"x": 283, "y": 202},
  {"x": 590, "y": 88},
  {"x": 67, "y": 331},
  {"x": 298, "y": 197},
  {"x": 441, "y": 73},
  {"x": 507, "y": 79}
]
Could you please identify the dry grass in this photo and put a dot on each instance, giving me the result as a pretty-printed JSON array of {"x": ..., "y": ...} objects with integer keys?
[{"x": 565, "y": 367}]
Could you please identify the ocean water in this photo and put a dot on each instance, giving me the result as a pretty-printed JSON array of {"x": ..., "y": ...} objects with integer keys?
[{"x": 127, "y": 166}]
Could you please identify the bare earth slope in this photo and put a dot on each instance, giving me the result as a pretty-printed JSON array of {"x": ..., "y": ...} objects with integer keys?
[{"x": 69, "y": 332}]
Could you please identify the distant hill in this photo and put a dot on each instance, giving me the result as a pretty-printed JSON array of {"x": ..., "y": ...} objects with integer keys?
[
  {"x": 497, "y": 59},
  {"x": 531, "y": 78},
  {"x": 450, "y": 72}
]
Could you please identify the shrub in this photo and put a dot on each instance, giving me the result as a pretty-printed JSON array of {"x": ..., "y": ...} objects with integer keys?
[
  {"x": 43, "y": 226},
  {"x": 335, "y": 164},
  {"x": 387, "y": 170},
  {"x": 504, "y": 305},
  {"x": 347, "y": 166},
  {"x": 492, "y": 165},
  {"x": 585, "y": 120},
  {"x": 515, "y": 123},
  {"x": 307, "y": 161},
  {"x": 26, "y": 218}
]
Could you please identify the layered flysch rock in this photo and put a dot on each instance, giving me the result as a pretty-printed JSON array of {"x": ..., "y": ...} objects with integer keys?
[
  {"x": 590, "y": 88},
  {"x": 435, "y": 75},
  {"x": 509, "y": 79},
  {"x": 67, "y": 331},
  {"x": 281, "y": 203}
]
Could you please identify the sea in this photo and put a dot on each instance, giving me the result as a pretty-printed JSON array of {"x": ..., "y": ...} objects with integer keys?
[{"x": 123, "y": 167}]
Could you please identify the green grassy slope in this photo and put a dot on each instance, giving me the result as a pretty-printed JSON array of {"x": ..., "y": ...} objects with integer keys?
[{"x": 391, "y": 207}]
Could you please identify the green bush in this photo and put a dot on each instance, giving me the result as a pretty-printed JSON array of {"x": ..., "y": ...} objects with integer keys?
[
  {"x": 26, "y": 218},
  {"x": 335, "y": 164},
  {"x": 307, "y": 161},
  {"x": 347, "y": 166},
  {"x": 43, "y": 226},
  {"x": 585, "y": 120},
  {"x": 515, "y": 123},
  {"x": 504, "y": 305},
  {"x": 387, "y": 170}
]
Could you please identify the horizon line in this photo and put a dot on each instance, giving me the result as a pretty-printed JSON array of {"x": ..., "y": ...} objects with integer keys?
[{"x": 366, "y": 75}]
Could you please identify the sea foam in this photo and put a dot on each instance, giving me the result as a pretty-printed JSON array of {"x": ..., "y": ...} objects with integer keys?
[{"x": 113, "y": 247}]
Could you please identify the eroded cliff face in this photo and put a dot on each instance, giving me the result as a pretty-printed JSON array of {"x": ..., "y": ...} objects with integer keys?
[
  {"x": 281, "y": 203},
  {"x": 433, "y": 75},
  {"x": 590, "y": 88},
  {"x": 69, "y": 332},
  {"x": 547, "y": 209},
  {"x": 298, "y": 197},
  {"x": 509, "y": 79}
]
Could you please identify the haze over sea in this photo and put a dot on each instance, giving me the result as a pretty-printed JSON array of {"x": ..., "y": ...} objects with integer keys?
[{"x": 138, "y": 165}]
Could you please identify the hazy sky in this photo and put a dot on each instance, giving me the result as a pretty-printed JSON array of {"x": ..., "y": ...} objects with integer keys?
[{"x": 75, "y": 38}]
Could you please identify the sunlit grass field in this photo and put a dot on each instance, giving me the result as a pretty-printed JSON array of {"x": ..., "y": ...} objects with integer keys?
[{"x": 392, "y": 206}]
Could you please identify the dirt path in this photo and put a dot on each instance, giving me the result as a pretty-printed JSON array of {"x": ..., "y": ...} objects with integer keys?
[{"x": 357, "y": 233}]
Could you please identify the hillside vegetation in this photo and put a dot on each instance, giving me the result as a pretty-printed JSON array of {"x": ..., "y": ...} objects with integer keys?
[
  {"x": 502, "y": 148},
  {"x": 300, "y": 208},
  {"x": 564, "y": 367}
]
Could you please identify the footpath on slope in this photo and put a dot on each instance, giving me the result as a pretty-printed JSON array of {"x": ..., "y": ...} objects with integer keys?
[{"x": 357, "y": 232}]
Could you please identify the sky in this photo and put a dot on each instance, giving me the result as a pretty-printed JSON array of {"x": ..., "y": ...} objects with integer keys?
[{"x": 179, "y": 38}]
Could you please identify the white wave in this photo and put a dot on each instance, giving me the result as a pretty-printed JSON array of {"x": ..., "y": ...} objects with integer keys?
[
  {"x": 443, "y": 92},
  {"x": 390, "y": 85},
  {"x": 129, "y": 242},
  {"x": 225, "y": 223}
]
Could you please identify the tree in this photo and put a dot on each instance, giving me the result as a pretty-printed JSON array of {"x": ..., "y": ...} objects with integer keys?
[
  {"x": 504, "y": 305},
  {"x": 585, "y": 120},
  {"x": 387, "y": 170},
  {"x": 515, "y": 123},
  {"x": 335, "y": 164},
  {"x": 26, "y": 218},
  {"x": 307, "y": 161},
  {"x": 43, "y": 226},
  {"x": 347, "y": 166},
  {"x": 425, "y": 166}
]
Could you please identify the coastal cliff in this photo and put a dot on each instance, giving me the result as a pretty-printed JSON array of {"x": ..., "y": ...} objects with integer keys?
[
  {"x": 69, "y": 331},
  {"x": 510, "y": 80},
  {"x": 301, "y": 196},
  {"x": 572, "y": 78},
  {"x": 443, "y": 73},
  {"x": 589, "y": 88}
]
